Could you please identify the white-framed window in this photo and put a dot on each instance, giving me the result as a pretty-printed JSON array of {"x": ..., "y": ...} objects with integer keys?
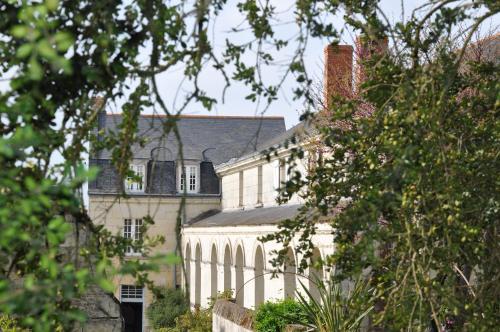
[
  {"x": 136, "y": 183},
  {"x": 188, "y": 179},
  {"x": 132, "y": 230},
  {"x": 131, "y": 293}
]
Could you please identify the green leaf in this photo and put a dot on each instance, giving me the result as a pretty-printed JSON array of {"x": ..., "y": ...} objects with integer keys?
[
  {"x": 24, "y": 50},
  {"x": 106, "y": 284},
  {"x": 52, "y": 4},
  {"x": 35, "y": 70},
  {"x": 64, "y": 40},
  {"x": 19, "y": 31},
  {"x": 46, "y": 50}
]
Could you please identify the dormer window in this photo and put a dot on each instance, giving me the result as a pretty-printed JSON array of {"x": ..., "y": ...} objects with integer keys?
[
  {"x": 135, "y": 182},
  {"x": 188, "y": 179}
]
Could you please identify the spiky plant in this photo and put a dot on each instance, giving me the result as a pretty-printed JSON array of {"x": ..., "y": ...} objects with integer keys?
[{"x": 339, "y": 308}]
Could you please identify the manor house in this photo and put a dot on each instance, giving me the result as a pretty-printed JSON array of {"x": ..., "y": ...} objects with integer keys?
[{"x": 228, "y": 188}]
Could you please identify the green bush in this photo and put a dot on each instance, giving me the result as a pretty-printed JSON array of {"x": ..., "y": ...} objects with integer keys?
[
  {"x": 9, "y": 324},
  {"x": 273, "y": 317},
  {"x": 169, "y": 303},
  {"x": 199, "y": 320}
]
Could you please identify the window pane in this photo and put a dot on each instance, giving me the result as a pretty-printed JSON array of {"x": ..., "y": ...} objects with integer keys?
[
  {"x": 183, "y": 178},
  {"x": 132, "y": 183},
  {"x": 127, "y": 229},
  {"x": 137, "y": 233},
  {"x": 131, "y": 292},
  {"x": 192, "y": 178}
]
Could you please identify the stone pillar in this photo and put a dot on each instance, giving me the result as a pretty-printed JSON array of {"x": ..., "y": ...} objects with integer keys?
[
  {"x": 249, "y": 275},
  {"x": 206, "y": 275},
  {"x": 192, "y": 282},
  {"x": 274, "y": 287},
  {"x": 220, "y": 277}
]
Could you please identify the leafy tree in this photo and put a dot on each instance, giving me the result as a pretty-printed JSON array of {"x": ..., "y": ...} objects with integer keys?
[
  {"x": 433, "y": 183},
  {"x": 409, "y": 179}
]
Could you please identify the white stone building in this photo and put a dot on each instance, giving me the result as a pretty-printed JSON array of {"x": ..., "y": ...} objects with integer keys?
[{"x": 222, "y": 251}]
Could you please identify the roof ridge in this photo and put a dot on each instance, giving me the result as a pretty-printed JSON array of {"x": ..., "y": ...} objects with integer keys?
[{"x": 192, "y": 116}]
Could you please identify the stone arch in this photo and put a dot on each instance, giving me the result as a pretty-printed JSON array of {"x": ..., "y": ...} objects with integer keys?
[
  {"x": 187, "y": 265},
  {"x": 197, "y": 283},
  {"x": 290, "y": 277},
  {"x": 259, "y": 277},
  {"x": 227, "y": 267},
  {"x": 239, "y": 275},
  {"x": 315, "y": 274},
  {"x": 213, "y": 272},
  {"x": 237, "y": 243}
]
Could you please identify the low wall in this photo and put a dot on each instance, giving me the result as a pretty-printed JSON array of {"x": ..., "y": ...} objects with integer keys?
[{"x": 227, "y": 316}]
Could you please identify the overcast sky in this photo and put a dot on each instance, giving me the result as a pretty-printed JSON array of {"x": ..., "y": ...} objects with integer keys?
[{"x": 235, "y": 104}]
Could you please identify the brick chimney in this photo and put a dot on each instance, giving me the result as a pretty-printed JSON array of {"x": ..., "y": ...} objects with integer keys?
[
  {"x": 365, "y": 50},
  {"x": 97, "y": 104},
  {"x": 338, "y": 72}
]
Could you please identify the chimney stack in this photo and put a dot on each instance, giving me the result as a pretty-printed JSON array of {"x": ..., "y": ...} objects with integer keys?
[
  {"x": 365, "y": 50},
  {"x": 338, "y": 72},
  {"x": 98, "y": 104}
]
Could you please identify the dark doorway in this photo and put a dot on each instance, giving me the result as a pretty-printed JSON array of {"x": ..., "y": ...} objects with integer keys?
[{"x": 132, "y": 315}]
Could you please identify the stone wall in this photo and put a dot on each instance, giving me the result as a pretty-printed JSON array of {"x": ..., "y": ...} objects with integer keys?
[
  {"x": 230, "y": 317},
  {"x": 102, "y": 309}
]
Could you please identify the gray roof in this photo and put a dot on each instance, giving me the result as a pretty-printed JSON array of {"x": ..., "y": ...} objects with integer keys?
[
  {"x": 300, "y": 131},
  {"x": 218, "y": 138},
  {"x": 258, "y": 216}
]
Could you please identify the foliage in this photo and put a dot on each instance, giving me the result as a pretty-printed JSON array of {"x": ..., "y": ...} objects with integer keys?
[
  {"x": 424, "y": 161},
  {"x": 55, "y": 58},
  {"x": 340, "y": 307},
  {"x": 169, "y": 303},
  {"x": 409, "y": 179},
  {"x": 9, "y": 324},
  {"x": 275, "y": 316},
  {"x": 199, "y": 320}
]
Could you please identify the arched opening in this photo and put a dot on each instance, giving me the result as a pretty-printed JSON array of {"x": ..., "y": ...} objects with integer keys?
[
  {"x": 197, "y": 284},
  {"x": 290, "y": 281},
  {"x": 227, "y": 268},
  {"x": 187, "y": 267},
  {"x": 213, "y": 273},
  {"x": 315, "y": 274},
  {"x": 238, "y": 267},
  {"x": 259, "y": 278}
]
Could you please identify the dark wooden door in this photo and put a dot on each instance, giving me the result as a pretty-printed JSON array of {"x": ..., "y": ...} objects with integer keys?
[{"x": 132, "y": 315}]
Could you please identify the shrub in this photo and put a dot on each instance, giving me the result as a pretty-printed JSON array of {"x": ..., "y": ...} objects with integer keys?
[
  {"x": 169, "y": 303},
  {"x": 9, "y": 324},
  {"x": 338, "y": 308},
  {"x": 273, "y": 317},
  {"x": 199, "y": 320}
]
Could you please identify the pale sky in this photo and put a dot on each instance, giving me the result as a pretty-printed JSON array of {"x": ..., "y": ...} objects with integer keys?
[{"x": 235, "y": 104}]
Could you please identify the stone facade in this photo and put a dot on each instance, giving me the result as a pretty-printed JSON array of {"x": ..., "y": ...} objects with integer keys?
[
  {"x": 207, "y": 141},
  {"x": 225, "y": 248},
  {"x": 110, "y": 212},
  {"x": 102, "y": 308}
]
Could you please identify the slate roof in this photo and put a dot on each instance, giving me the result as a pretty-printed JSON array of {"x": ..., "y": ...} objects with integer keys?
[
  {"x": 300, "y": 131},
  {"x": 219, "y": 138},
  {"x": 259, "y": 216}
]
